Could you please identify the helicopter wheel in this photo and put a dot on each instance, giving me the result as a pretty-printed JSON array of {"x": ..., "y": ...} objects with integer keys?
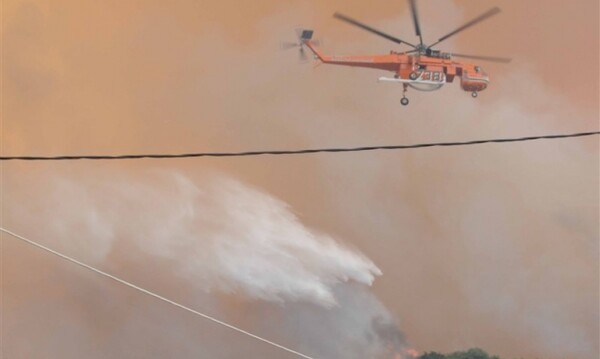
[
  {"x": 404, "y": 101},
  {"x": 474, "y": 94}
]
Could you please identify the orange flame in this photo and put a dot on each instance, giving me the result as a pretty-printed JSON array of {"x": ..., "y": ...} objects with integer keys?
[
  {"x": 412, "y": 353},
  {"x": 408, "y": 354}
]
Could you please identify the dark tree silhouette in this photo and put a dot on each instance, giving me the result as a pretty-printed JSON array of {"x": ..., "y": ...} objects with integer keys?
[{"x": 474, "y": 353}]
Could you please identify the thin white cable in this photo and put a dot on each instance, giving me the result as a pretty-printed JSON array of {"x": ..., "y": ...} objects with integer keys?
[{"x": 149, "y": 293}]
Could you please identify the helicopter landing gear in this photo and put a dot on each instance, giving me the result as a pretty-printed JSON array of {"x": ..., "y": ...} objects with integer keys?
[
  {"x": 474, "y": 94},
  {"x": 404, "y": 101}
]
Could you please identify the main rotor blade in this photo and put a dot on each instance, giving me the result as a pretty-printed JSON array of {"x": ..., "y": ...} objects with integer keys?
[
  {"x": 351, "y": 21},
  {"x": 415, "y": 16},
  {"x": 503, "y": 60},
  {"x": 475, "y": 21}
]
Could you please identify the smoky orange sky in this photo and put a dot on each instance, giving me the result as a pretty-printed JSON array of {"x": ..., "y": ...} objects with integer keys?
[{"x": 494, "y": 246}]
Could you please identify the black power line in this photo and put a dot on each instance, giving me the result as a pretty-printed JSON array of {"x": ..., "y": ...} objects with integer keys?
[{"x": 291, "y": 152}]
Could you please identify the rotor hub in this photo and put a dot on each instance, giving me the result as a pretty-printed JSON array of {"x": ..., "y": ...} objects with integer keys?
[{"x": 421, "y": 49}]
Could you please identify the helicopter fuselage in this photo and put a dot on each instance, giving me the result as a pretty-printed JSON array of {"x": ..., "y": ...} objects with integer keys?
[{"x": 421, "y": 72}]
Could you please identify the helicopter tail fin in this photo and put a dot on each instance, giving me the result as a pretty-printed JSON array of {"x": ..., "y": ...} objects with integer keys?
[{"x": 306, "y": 35}]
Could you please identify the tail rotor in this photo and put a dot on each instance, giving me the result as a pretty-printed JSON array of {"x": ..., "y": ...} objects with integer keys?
[{"x": 302, "y": 36}]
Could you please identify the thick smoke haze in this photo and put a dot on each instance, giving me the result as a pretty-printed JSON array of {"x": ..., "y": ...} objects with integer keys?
[{"x": 493, "y": 246}]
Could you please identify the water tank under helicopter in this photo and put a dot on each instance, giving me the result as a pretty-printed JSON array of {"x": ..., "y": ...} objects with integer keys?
[{"x": 474, "y": 81}]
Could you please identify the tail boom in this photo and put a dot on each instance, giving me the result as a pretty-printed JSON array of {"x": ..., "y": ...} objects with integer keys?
[{"x": 389, "y": 62}]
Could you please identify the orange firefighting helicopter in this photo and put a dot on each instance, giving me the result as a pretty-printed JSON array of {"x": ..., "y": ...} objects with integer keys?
[{"x": 421, "y": 68}]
